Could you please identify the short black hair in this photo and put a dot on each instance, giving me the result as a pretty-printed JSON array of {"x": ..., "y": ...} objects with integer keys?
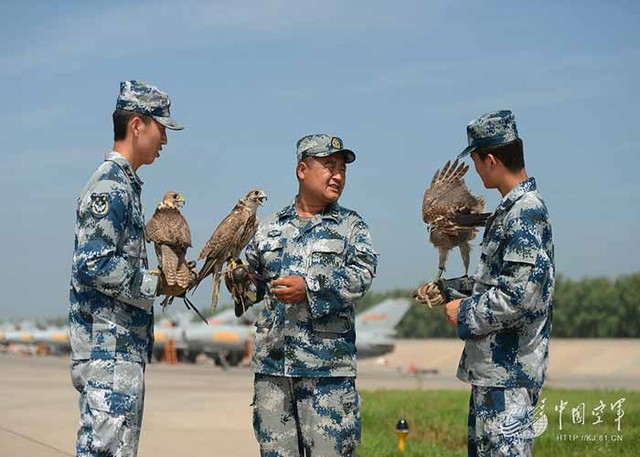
[
  {"x": 510, "y": 154},
  {"x": 121, "y": 118}
]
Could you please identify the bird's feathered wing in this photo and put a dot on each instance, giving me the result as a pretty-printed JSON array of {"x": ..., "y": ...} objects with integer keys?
[
  {"x": 169, "y": 231},
  {"x": 447, "y": 200},
  {"x": 224, "y": 240},
  {"x": 227, "y": 241}
]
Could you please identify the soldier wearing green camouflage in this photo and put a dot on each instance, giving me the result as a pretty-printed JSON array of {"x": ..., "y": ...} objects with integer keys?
[
  {"x": 112, "y": 290},
  {"x": 506, "y": 322},
  {"x": 316, "y": 261}
]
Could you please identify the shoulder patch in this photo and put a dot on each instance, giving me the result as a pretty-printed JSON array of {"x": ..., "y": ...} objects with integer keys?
[{"x": 99, "y": 204}]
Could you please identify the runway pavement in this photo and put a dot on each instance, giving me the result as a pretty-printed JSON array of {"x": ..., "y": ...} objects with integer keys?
[{"x": 196, "y": 410}]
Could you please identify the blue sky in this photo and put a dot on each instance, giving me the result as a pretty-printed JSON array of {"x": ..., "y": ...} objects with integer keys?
[{"x": 398, "y": 81}]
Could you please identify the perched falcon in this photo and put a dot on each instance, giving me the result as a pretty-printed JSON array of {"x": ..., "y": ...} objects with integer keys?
[
  {"x": 229, "y": 239},
  {"x": 170, "y": 234},
  {"x": 452, "y": 213}
]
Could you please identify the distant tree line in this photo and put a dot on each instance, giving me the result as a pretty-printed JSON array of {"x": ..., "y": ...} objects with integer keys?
[{"x": 586, "y": 308}]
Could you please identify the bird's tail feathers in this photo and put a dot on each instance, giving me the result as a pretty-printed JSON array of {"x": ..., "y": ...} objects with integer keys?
[
  {"x": 471, "y": 219},
  {"x": 215, "y": 289},
  {"x": 183, "y": 275}
]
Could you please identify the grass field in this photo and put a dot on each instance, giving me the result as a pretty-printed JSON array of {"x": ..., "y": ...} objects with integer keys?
[{"x": 438, "y": 423}]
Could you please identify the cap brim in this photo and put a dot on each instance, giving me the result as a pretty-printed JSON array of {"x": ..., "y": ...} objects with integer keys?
[
  {"x": 349, "y": 155},
  {"x": 168, "y": 123},
  {"x": 468, "y": 150}
]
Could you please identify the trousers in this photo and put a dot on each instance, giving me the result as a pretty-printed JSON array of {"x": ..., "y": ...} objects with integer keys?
[
  {"x": 500, "y": 421},
  {"x": 306, "y": 417},
  {"x": 111, "y": 407}
]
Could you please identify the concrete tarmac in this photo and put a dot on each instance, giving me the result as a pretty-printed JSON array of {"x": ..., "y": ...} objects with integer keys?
[{"x": 200, "y": 410}]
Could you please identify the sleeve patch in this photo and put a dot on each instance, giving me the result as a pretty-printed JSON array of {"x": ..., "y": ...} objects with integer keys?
[{"x": 99, "y": 204}]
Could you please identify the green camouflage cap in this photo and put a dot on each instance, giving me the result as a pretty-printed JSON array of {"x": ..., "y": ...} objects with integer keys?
[
  {"x": 144, "y": 98},
  {"x": 322, "y": 145},
  {"x": 490, "y": 129}
]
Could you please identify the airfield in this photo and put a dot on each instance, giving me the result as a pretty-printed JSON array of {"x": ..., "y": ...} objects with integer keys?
[{"x": 200, "y": 409}]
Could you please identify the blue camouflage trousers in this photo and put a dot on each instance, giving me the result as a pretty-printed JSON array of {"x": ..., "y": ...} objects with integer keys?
[
  {"x": 501, "y": 421},
  {"x": 306, "y": 417},
  {"x": 111, "y": 404}
]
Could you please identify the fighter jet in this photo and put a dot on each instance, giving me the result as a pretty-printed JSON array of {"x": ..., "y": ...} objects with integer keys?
[
  {"x": 227, "y": 339},
  {"x": 375, "y": 327}
]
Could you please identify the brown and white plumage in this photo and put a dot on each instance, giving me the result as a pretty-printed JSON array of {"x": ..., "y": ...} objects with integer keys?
[
  {"x": 170, "y": 234},
  {"x": 229, "y": 239},
  {"x": 452, "y": 213}
]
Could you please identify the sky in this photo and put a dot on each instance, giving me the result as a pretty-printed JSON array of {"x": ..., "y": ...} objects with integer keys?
[{"x": 397, "y": 81}]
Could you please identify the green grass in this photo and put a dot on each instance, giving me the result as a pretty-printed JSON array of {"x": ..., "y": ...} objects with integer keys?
[{"x": 438, "y": 424}]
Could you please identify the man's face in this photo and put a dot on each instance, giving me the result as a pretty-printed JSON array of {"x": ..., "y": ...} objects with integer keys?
[
  {"x": 148, "y": 140},
  {"x": 324, "y": 177}
]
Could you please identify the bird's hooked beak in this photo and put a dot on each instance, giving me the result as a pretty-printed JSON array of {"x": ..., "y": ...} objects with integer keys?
[{"x": 262, "y": 199}]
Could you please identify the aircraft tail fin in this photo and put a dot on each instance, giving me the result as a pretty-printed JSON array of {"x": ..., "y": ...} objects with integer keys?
[{"x": 383, "y": 317}]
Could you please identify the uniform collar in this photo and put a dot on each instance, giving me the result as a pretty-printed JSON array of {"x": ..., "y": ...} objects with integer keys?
[
  {"x": 330, "y": 212},
  {"x": 124, "y": 164},
  {"x": 515, "y": 194}
]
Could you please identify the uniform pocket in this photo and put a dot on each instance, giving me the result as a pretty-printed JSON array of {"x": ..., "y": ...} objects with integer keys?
[
  {"x": 327, "y": 255},
  {"x": 331, "y": 326},
  {"x": 487, "y": 259},
  {"x": 350, "y": 402},
  {"x": 351, "y": 438},
  {"x": 108, "y": 411},
  {"x": 328, "y": 248}
]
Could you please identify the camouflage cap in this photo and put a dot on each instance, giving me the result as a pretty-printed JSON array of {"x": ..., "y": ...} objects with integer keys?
[
  {"x": 144, "y": 98},
  {"x": 490, "y": 129},
  {"x": 322, "y": 145}
]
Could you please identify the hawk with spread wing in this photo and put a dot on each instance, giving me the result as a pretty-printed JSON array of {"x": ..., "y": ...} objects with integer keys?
[
  {"x": 229, "y": 239},
  {"x": 452, "y": 213},
  {"x": 170, "y": 234}
]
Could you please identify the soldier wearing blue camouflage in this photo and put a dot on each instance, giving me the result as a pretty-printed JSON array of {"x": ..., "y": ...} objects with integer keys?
[
  {"x": 112, "y": 289},
  {"x": 506, "y": 322},
  {"x": 315, "y": 261}
]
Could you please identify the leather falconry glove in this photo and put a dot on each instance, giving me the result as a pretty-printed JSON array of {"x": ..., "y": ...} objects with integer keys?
[{"x": 430, "y": 294}]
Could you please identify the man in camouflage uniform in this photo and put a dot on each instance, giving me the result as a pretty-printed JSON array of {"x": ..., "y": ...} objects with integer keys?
[
  {"x": 112, "y": 290},
  {"x": 316, "y": 261},
  {"x": 506, "y": 322}
]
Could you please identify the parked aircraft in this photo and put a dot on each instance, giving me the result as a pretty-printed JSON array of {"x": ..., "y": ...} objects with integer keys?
[
  {"x": 227, "y": 340},
  {"x": 375, "y": 327},
  {"x": 35, "y": 338}
]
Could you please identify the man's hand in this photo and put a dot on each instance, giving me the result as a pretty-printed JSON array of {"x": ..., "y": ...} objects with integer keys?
[
  {"x": 430, "y": 294},
  {"x": 289, "y": 289},
  {"x": 451, "y": 312}
]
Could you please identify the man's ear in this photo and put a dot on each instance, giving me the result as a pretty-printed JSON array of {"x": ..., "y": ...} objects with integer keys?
[
  {"x": 301, "y": 170},
  {"x": 135, "y": 124},
  {"x": 492, "y": 160}
]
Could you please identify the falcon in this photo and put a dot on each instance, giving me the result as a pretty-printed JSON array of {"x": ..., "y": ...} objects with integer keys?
[
  {"x": 452, "y": 213},
  {"x": 229, "y": 239},
  {"x": 170, "y": 234}
]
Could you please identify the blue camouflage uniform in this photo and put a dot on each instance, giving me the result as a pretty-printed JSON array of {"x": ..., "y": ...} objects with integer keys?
[
  {"x": 304, "y": 357},
  {"x": 506, "y": 323},
  {"x": 111, "y": 297}
]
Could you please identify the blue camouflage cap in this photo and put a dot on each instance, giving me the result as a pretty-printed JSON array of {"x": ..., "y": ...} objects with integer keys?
[
  {"x": 322, "y": 145},
  {"x": 490, "y": 129},
  {"x": 144, "y": 98}
]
